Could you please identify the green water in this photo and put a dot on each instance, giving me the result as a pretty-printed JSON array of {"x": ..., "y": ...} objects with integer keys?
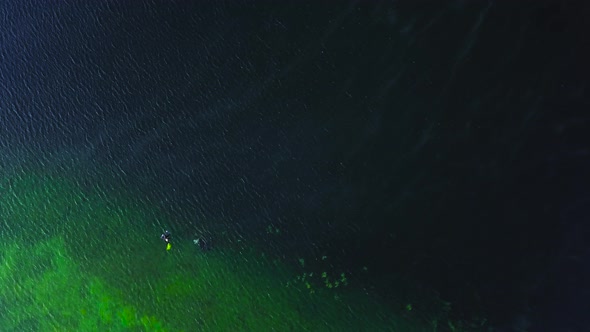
[{"x": 81, "y": 258}]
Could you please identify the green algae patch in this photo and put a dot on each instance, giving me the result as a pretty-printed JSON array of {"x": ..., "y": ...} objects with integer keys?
[
  {"x": 87, "y": 259},
  {"x": 43, "y": 289}
]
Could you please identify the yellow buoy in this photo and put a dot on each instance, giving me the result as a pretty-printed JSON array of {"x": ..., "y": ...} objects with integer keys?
[{"x": 168, "y": 246}]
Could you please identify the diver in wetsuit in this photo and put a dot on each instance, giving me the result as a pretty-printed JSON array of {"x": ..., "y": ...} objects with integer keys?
[{"x": 166, "y": 237}]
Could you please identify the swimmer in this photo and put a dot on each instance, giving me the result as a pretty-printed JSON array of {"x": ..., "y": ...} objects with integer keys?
[{"x": 166, "y": 237}]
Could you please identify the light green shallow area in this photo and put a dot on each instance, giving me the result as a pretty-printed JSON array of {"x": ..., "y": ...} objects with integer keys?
[{"x": 76, "y": 257}]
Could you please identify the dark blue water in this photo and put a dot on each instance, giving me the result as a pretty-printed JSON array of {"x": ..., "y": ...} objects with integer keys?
[{"x": 442, "y": 142}]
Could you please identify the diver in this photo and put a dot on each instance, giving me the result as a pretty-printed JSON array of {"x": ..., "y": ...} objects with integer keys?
[{"x": 166, "y": 237}]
